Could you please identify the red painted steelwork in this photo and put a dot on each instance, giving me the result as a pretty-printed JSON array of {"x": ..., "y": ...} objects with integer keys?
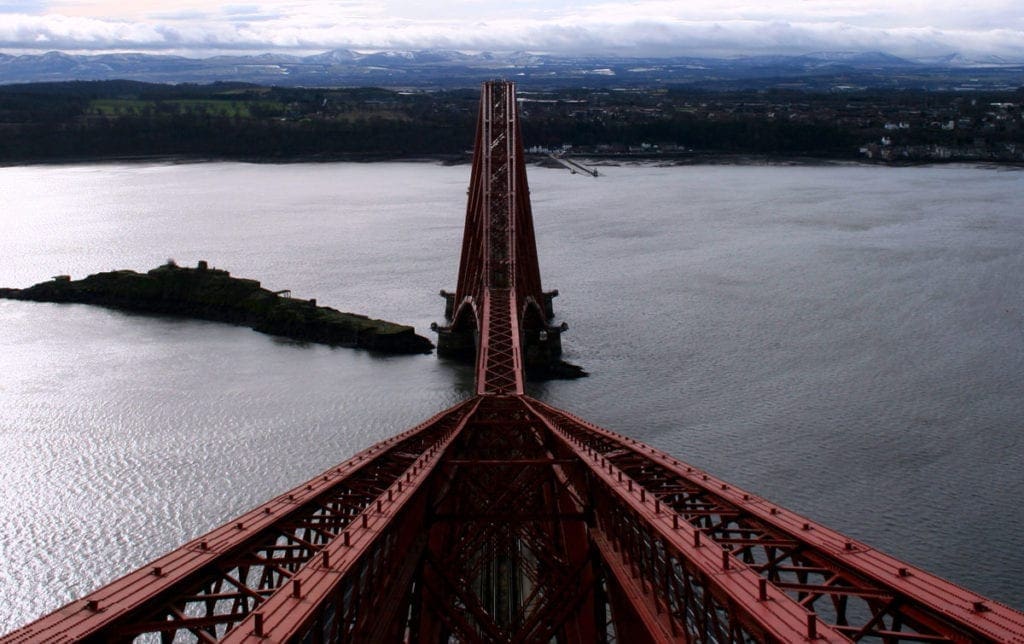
[
  {"x": 329, "y": 586},
  {"x": 498, "y": 245},
  {"x": 861, "y": 593},
  {"x": 504, "y": 519},
  {"x": 519, "y": 522},
  {"x": 499, "y": 358},
  {"x": 498, "y": 274},
  {"x": 206, "y": 587},
  {"x": 481, "y": 548}
]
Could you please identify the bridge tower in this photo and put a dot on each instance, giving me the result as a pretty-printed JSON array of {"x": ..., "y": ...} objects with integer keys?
[
  {"x": 503, "y": 519},
  {"x": 498, "y": 266}
]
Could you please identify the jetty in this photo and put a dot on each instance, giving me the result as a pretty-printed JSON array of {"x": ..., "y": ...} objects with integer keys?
[{"x": 574, "y": 166}]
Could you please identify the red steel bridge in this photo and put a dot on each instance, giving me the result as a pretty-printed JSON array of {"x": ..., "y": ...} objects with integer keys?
[{"x": 504, "y": 519}]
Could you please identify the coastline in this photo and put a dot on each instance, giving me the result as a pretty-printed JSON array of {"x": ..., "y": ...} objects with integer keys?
[{"x": 597, "y": 160}]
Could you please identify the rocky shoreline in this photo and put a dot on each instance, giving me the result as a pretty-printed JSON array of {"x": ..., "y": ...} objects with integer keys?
[{"x": 211, "y": 294}]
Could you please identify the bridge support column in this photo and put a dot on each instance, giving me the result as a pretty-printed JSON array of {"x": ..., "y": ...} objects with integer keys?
[
  {"x": 456, "y": 341},
  {"x": 542, "y": 348},
  {"x": 456, "y": 344}
]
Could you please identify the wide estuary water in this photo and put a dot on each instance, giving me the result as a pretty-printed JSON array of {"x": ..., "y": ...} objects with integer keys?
[{"x": 847, "y": 341}]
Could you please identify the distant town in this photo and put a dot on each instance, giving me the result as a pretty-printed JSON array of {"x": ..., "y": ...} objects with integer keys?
[
  {"x": 879, "y": 125},
  {"x": 128, "y": 119}
]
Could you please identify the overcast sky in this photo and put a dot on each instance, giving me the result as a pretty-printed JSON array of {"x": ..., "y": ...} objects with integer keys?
[{"x": 912, "y": 28}]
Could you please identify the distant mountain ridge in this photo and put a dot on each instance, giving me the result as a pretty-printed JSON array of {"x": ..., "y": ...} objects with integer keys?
[{"x": 448, "y": 68}]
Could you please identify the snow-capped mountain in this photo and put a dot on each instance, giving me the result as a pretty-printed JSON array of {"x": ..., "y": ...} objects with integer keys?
[{"x": 447, "y": 68}]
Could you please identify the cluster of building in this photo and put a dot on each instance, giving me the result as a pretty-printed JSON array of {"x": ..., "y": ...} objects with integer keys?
[{"x": 877, "y": 125}]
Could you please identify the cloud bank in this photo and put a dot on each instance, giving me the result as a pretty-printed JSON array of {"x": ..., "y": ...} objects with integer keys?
[{"x": 642, "y": 28}]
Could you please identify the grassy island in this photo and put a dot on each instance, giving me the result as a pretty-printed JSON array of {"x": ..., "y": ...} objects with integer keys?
[{"x": 212, "y": 294}]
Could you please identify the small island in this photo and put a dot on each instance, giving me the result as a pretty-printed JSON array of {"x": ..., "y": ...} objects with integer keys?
[{"x": 212, "y": 294}]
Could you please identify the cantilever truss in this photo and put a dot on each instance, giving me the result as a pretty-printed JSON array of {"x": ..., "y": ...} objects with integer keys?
[
  {"x": 499, "y": 276},
  {"x": 503, "y": 519}
]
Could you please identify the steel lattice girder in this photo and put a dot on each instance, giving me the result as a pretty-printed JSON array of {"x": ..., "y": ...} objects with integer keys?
[
  {"x": 498, "y": 270},
  {"x": 779, "y": 552},
  {"x": 447, "y": 566},
  {"x": 209, "y": 585},
  {"x": 526, "y": 575},
  {"x": 499, "y": 356},
  {"x": 509, "y": 479}
]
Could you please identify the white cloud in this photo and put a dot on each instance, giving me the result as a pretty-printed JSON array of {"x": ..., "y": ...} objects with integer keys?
[{"x": 641, "y": 27}]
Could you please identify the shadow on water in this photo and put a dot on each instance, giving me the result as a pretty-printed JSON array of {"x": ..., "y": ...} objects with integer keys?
[{"x": 461, "y": 373}]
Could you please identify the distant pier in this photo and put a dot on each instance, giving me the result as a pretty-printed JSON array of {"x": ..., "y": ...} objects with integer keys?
[{"x": 573, "y": 166}]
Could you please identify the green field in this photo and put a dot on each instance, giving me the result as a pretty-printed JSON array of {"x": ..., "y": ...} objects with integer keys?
[{"x": 217, "y": 107}]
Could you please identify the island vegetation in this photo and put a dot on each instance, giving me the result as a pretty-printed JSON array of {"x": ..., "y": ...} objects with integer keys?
[{"x": 211, "y": 294}]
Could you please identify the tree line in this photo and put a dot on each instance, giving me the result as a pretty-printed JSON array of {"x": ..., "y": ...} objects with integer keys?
[{"x": 106, "y": 119}]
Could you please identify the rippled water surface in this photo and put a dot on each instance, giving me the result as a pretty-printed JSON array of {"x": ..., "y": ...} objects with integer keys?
[{"x": 848, "y": 341}]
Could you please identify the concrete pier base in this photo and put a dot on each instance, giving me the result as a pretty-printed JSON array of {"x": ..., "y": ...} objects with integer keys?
[
  {"x": 456, "y": 345},
  {"x": 542, "y": 348}
]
